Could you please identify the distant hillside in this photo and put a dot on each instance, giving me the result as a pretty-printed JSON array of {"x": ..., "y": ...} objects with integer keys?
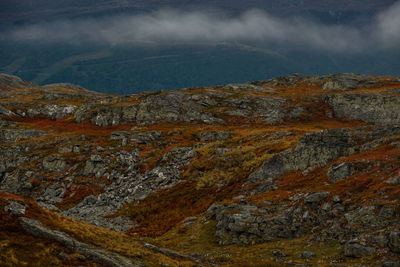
[
  {"x": 124, "y": 68},
  {"x": 28, "y": 11}
]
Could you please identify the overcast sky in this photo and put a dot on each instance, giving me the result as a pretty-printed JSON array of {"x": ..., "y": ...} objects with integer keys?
[{"x": 173, "y": 26}]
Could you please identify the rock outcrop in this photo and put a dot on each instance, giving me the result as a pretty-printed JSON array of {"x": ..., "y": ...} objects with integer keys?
[{"x": 373, "y": 108}]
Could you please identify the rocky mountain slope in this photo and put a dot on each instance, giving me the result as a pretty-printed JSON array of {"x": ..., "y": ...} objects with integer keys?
[{"x": 296, "y": 170}]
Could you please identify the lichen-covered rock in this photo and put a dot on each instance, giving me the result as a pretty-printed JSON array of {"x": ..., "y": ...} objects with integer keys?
[
  {"x": 129, "y": 113},
  {"x": 171, "y": 107},
  {"x": 54, "y": 163},
  {"x": 58, "y": 111},
  {"x": 13, "y": 156},
  {"x": 16, "y": 182},
  {"x": 160, "y": 108},
  {"x": 15, "y": 135},
  {"x": 272, "y": 109},
  {"x": 348, "y": 82},
  {"x": 107, "y": 116},
  {"x": 83, "y": 112},
  {"x": 96, "y": 165}
]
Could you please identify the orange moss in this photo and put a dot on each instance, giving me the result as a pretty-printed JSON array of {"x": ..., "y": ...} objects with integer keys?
[{"x": 161, "y": 211}]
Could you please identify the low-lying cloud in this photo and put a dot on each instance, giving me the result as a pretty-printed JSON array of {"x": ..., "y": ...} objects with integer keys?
[
  {"x": 173, "y": 26},
  {"x": 387, "y": 29}
]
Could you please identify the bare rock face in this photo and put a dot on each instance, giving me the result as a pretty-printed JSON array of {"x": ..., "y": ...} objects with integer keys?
[{"x": 379, "y": 109}]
